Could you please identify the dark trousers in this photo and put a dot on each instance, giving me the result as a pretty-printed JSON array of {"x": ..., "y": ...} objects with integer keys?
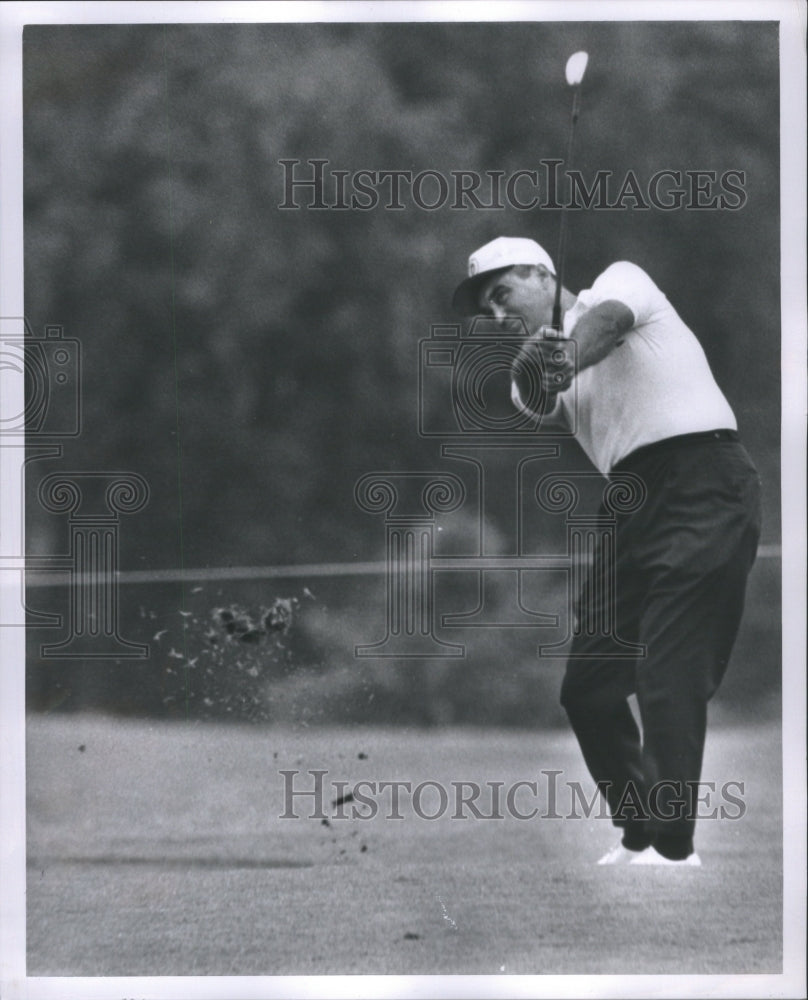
[{"x": 682, "y": 561}]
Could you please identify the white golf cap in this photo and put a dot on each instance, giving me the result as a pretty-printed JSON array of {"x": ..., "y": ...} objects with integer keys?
[{"x": 504, "y": 251}]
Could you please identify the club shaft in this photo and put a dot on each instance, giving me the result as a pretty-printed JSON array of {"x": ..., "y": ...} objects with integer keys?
[{"x": 562, "y": 233}]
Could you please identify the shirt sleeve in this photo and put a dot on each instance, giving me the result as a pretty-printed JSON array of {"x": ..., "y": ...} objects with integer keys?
[{"x": 629, "y": 284}]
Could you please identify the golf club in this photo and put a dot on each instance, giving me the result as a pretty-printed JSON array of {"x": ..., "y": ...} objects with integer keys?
[{"x": 575, "y": 69}]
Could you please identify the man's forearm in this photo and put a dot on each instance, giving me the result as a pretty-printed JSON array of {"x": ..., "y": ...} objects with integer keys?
[{"x": 599, "y": 331}]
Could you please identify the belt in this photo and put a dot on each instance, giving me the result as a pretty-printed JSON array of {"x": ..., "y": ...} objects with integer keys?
[{"x": 672, "y": 443}]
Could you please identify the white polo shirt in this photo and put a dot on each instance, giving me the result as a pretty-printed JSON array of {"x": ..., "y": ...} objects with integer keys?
[{"x": 655, "y": 385}]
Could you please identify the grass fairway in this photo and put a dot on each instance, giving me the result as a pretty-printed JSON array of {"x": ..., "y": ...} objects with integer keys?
[{"x": 157, "y": 849}]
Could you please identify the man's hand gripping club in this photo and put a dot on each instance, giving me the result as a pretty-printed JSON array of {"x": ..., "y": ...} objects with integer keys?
[
  {"x": 547, "y": 362},
  {"x": 544, "y": 367}
]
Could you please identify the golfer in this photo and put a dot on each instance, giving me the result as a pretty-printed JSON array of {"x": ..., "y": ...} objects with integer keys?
[{"x": 646, "y": 403}]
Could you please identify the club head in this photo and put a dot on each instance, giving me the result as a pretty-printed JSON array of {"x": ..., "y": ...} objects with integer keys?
[{"x": 576, "y": 67}]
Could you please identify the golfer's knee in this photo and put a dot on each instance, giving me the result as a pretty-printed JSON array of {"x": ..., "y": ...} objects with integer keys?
[
  {"x": 587, "y": 698},
  {"x": 577, "y": 698}
]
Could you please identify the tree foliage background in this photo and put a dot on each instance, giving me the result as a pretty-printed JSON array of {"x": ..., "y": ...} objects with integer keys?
[{"x": 252, "y": 362}]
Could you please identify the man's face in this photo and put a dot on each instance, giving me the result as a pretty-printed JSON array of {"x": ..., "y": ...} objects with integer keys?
[{"x": 522, "y": 293}]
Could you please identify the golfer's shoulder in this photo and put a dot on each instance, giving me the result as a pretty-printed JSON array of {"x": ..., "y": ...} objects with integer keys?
[
  {"x": 626, "y": 282},
  {"x": 624, "y": 271}
]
